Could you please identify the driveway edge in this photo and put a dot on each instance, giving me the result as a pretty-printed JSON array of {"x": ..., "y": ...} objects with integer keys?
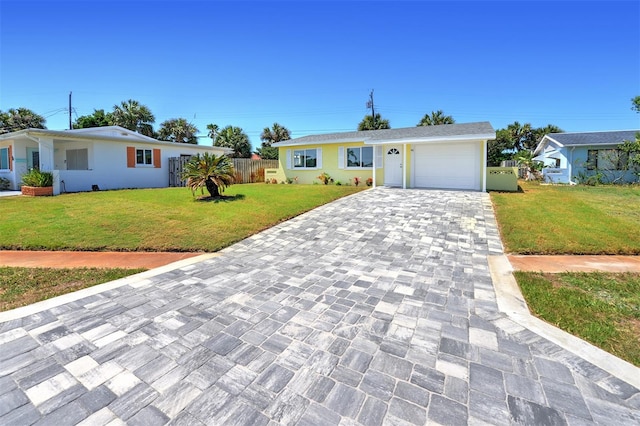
[{"x": 512, "y": 303}]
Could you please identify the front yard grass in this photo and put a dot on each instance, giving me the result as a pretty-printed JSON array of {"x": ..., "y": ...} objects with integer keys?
[
  {"x": 601, "y": 308},
  {"x": 23, "y": 286},
  {"x": 554, "y": 219},
  {"x": 165, "y": 219}
]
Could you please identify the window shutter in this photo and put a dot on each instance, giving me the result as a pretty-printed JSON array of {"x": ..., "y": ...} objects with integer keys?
[
  {"x": 131, "y": 156},
  {"x": 10, "y": 158},
  {"x": 341, "y": 157},
  {"x": 289, "y": 159},
  {"x": 378, "y": 157},
  {"x": 157, "y": 161},
  {"x": 319, "y": 155}
]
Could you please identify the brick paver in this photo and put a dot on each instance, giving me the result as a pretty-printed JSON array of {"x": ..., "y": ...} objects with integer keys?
[{"x": 375, "y": 309}]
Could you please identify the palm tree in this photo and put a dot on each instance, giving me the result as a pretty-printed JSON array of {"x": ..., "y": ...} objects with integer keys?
[
  {"x": 208, "y": 170},
  {"x": 269, "y": 136},
  {"x": 178, "y": 130},
  {"x": 436, "y": 118},
  {"x": 236, "y": 139},
  {"x": 540, "y": 132},
  {"x": 19, "y": 119},
  {"x": 368, "y": 123},
  {"x": 213, "y": 132},
  {"x": 133, "y": 116}
]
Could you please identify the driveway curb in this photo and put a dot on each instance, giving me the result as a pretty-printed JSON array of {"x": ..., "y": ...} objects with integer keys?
[{"x": 512, "y": 303}]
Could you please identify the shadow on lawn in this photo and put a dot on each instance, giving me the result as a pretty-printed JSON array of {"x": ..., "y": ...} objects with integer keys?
[{"x": 220, "y": 198}]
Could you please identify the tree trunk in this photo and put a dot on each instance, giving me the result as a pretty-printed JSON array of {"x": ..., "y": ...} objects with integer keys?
[{"x": 212, "y": 188}]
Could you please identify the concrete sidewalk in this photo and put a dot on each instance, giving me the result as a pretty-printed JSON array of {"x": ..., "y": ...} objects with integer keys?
[
  {"x": 90, "y": 259},
  {"x": 556, "y": 264},
  {"x": 150, "y": 260}
]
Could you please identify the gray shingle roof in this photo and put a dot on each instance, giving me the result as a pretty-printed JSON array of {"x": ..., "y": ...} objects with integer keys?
[
  {"x": 480, "y": 130},
  {"x": 594, "y": 138}
]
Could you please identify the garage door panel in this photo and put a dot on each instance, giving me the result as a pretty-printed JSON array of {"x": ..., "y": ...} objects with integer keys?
[{"x": 454, "y": 166}]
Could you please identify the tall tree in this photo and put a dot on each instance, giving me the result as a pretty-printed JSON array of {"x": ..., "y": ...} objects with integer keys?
[
  {"x": 367, "y": 123},
  {"x": 540, "y": 132},
  {"x": 178, "y": 130},
  {"x": 19, "y": 119},
  {"x": 269, "y": 136},
  {"x": 210, "y": 171},
  {"x": 635, "y": 104},
  {"x": 499, "y": 149},
  {"x": 213, "y": 132},
  {"x": 236, "y": 139},
  {"x": 134, "y": 116},
  {"x": 98, "y": 119},
  {"x": 436, "y": 117}
]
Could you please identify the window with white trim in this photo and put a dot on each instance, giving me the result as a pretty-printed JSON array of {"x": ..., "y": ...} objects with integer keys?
[
  {"x": 4, "y": 159},
  {"x": 144, "y": 157},
  {"x": 305, "y": 158},
  {"x": 360, "y": 157}
]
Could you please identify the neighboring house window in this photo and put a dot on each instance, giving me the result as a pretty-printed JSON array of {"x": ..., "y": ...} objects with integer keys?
[
  {"x": 592, "y": 159},
  {"x": 77, "y": 159},
  {"x": 143, "y": 157},
  {"x": 5, "y": 159},
  {"x": 606, "y": 159},
  {"x": 360, "y": 157},
  {"x": 305, "y": 158}
]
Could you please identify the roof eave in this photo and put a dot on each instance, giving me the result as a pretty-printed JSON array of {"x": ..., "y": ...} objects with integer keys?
[{"x": 435, "y": 139}]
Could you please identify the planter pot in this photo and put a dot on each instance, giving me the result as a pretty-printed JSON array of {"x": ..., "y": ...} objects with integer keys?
[{"x": 36, "y": 191}]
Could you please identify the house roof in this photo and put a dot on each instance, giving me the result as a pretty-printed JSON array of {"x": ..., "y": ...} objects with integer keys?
[
  {"x": 106, "y": 133},
  {"x": 421, "y": 134},
  {"x": 613, "y": 137}
]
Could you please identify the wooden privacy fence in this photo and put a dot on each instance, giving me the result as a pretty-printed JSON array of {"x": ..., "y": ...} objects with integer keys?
[
  {"x": 250, "y": 171},
  {"x": 247, "y": 170},
  {"x": 176, "y": 166}
]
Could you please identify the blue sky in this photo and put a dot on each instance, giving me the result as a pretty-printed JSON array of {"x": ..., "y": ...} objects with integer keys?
[{"x": 310, "y": 65}]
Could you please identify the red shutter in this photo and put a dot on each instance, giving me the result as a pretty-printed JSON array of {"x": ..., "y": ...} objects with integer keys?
[
  {"x": 131, "y": 156},
  {"x": 10, "y": 158},
  {"x": 156, "y": 158}
]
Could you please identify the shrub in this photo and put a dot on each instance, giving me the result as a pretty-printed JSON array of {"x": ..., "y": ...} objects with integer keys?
[
  {"x": 4, "y": 183},
  {"x": 35, "y": 177},
  {"x": 325, "y": 178}
]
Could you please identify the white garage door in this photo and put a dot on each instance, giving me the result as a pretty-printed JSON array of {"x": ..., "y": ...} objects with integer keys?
[{"x": 454, "y": 166}]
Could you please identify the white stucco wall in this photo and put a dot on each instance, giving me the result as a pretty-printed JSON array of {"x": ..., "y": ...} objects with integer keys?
[{"x": 108, "y": 169}]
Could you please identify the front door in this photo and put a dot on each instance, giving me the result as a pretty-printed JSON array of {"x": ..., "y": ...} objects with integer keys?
[
  {"x": 393, "y": 165},
  {"x": 33, "y": 158}
]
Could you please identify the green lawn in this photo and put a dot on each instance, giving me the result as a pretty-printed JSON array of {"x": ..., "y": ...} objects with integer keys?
[
  {"x": 23, "y": 286},
  {"x": 154, "y": 219},
  {"x": 546, "y": 219},
  {"x": 603, "y": 309}
]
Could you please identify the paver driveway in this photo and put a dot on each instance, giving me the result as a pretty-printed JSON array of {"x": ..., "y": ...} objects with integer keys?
[{"x": 377, "y": 308}]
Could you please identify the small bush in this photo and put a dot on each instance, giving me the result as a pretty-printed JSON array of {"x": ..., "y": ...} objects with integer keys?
[
  {"x": 4, "y": 183},
  {"x": 35, "y": 177}
]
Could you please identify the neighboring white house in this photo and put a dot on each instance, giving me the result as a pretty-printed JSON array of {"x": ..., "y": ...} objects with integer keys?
[
  {"x": 569, "y": 156},
  {"x": 110, "y": 157},
  {"x": 452, "y": 156}
]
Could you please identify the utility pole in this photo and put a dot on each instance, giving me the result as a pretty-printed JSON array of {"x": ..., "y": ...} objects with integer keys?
[
  {"x": 370, "y": 105},
  {"x": 70, "y": 125}
]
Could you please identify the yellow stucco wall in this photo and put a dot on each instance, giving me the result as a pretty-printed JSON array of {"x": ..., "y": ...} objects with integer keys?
[{"x": 329, "y": 165}]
